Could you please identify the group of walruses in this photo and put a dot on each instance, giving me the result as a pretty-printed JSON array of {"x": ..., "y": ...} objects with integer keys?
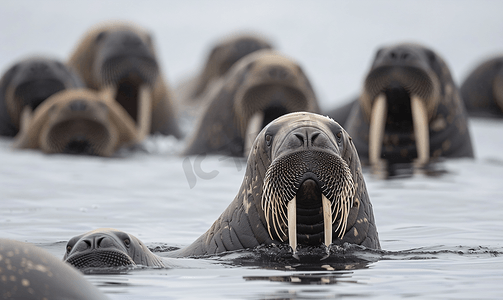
[{"x": 303, "y": 185}]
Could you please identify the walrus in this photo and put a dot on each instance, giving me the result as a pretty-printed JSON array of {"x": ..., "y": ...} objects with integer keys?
[
  {"x": 78, "y": 121},
  {"x": 221, "y": 58},
  {"x": 31, "y": 273},
  {"x": 409, "y": 110},
  {"x": 121, "y": 59},
  {"x": 482, "y": 90},
  {"x": 303, "y": 186},
  {"x": 256, "y": 90},
  {"x": 29, "y": 82},
  {"x": 107, "y": 247}
]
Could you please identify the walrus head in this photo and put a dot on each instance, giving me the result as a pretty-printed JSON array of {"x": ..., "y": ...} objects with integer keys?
[
  {"x": 120, "y": 59},
  {"x": 77, "y": 122},
  {"x": 106, "y": 247},
  {"x": 29, "y": 82},
  {"x": 270, "y": 86},
  {"x": 225, "y": 54},
  {"x": 303, "y": 185},
  {"x": 312, "y": 183},
  {"x": 401, "y": 92}
]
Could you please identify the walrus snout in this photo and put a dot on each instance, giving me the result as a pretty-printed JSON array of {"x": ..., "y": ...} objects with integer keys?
[
  {"x": 99, "y": 249},
  {"x": 107, "y": 247}
]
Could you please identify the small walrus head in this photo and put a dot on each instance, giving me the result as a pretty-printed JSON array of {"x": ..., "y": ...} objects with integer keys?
[
  {"x": 402, "y": 92},
  {"x": 106, "y": 247},
  {"x": 29, "y": 82},
  {"x": 115, "y": 54},
  {"x": 269, "y": 85},
  {"x": 306, "y": 172},
  {"x": 77, "y": 121},
  {"x": 225, "y": 54}
]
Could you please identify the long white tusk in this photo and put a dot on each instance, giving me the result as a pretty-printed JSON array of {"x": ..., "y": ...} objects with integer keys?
[
  {"x": 376, "y": 131},
  {"x": 252, "y": 130},
  {"x": 109, "y": 93},
  {"x": 144, "y": 112},
  {"x": 292, "y": 224},
  {"x": 421, "y": 130},
  {"x": 327, "y": 219}
]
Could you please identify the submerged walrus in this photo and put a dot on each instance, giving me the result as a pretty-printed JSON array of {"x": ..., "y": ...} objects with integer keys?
[
  {"x": 30, "y": 273},
  {"x": 303, "y": 185},
  {"x": 107, "y": 247},
  {"x": 120, "y": 59},
  {"x": 79, "y": 121},
  {"x": 257, "y": 89},
  {"x": 28, "y": 83},
  {"x": 221, "y": 58},
  {"x": 482, "y": 90},
  {"x": 409, "y": 109}
]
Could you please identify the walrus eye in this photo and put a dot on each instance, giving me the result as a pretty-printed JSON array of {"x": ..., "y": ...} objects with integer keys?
[
  {"x": 268, "y": 139},
  {"x": 339, "y": 135},
  {"x": 68, "y": 248},
  {"x": 127, "y": 242}
]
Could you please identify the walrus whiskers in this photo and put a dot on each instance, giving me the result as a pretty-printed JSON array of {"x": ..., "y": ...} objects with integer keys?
[{"x": 337, "y": 193}]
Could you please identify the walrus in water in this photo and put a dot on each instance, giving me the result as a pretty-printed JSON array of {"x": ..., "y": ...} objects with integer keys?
[
  {"x": 30, "y": 273},
  {"x": 259, "y": 88},
  {"x": 120, "y": 59},
  {"x": 409, "y": 109},
  {"x": 107, "y": 247},
  {"x": 303, "y": 186},
  {"x": 222, "y": 57},
  {"x": 482, "y": 90},
  {"x": 28, "y": 83},
  {"x": 79, "y": 121}
]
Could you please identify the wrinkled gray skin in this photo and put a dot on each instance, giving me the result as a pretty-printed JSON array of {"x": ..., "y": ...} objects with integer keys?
[
  {"x": 28, "y": 83},
  {"x": 32, "y": 273},
  {"x": 242, "y": 225},
  {"x": 106, "y": 247},
  {"x": 482, "y": 90}
]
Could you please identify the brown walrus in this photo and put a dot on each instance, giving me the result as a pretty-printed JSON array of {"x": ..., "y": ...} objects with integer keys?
[
  {"x": 107, "y": 247},
  {"x": 120, "y": 59},
  {"x": 256, "y": 90},
  {"x": 482, "y": 90},
  {"x": 409, "y": 109},
  {"x": 79, "y": 121},
  {"x": 222, "y": 57},
  {"x": 31, "y": 273},
  {"x": 28, "y": 83},
  {"x": 303, "y": 185}
]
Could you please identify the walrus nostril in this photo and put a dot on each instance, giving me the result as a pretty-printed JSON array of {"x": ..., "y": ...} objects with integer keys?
[{"x": 78, "y": 105}]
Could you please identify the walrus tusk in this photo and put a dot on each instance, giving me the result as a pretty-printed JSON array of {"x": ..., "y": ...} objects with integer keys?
[
  {"x": 292, "y": 224},
  {"x": 109, "y": 93},
  {"x": 376, "y": 131},
  {"x": 252, "y": 130},
  {"x": 144, "y": 111},
  {"x": 421, "y": 130},
  {"x": 327, "y": 219}
]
